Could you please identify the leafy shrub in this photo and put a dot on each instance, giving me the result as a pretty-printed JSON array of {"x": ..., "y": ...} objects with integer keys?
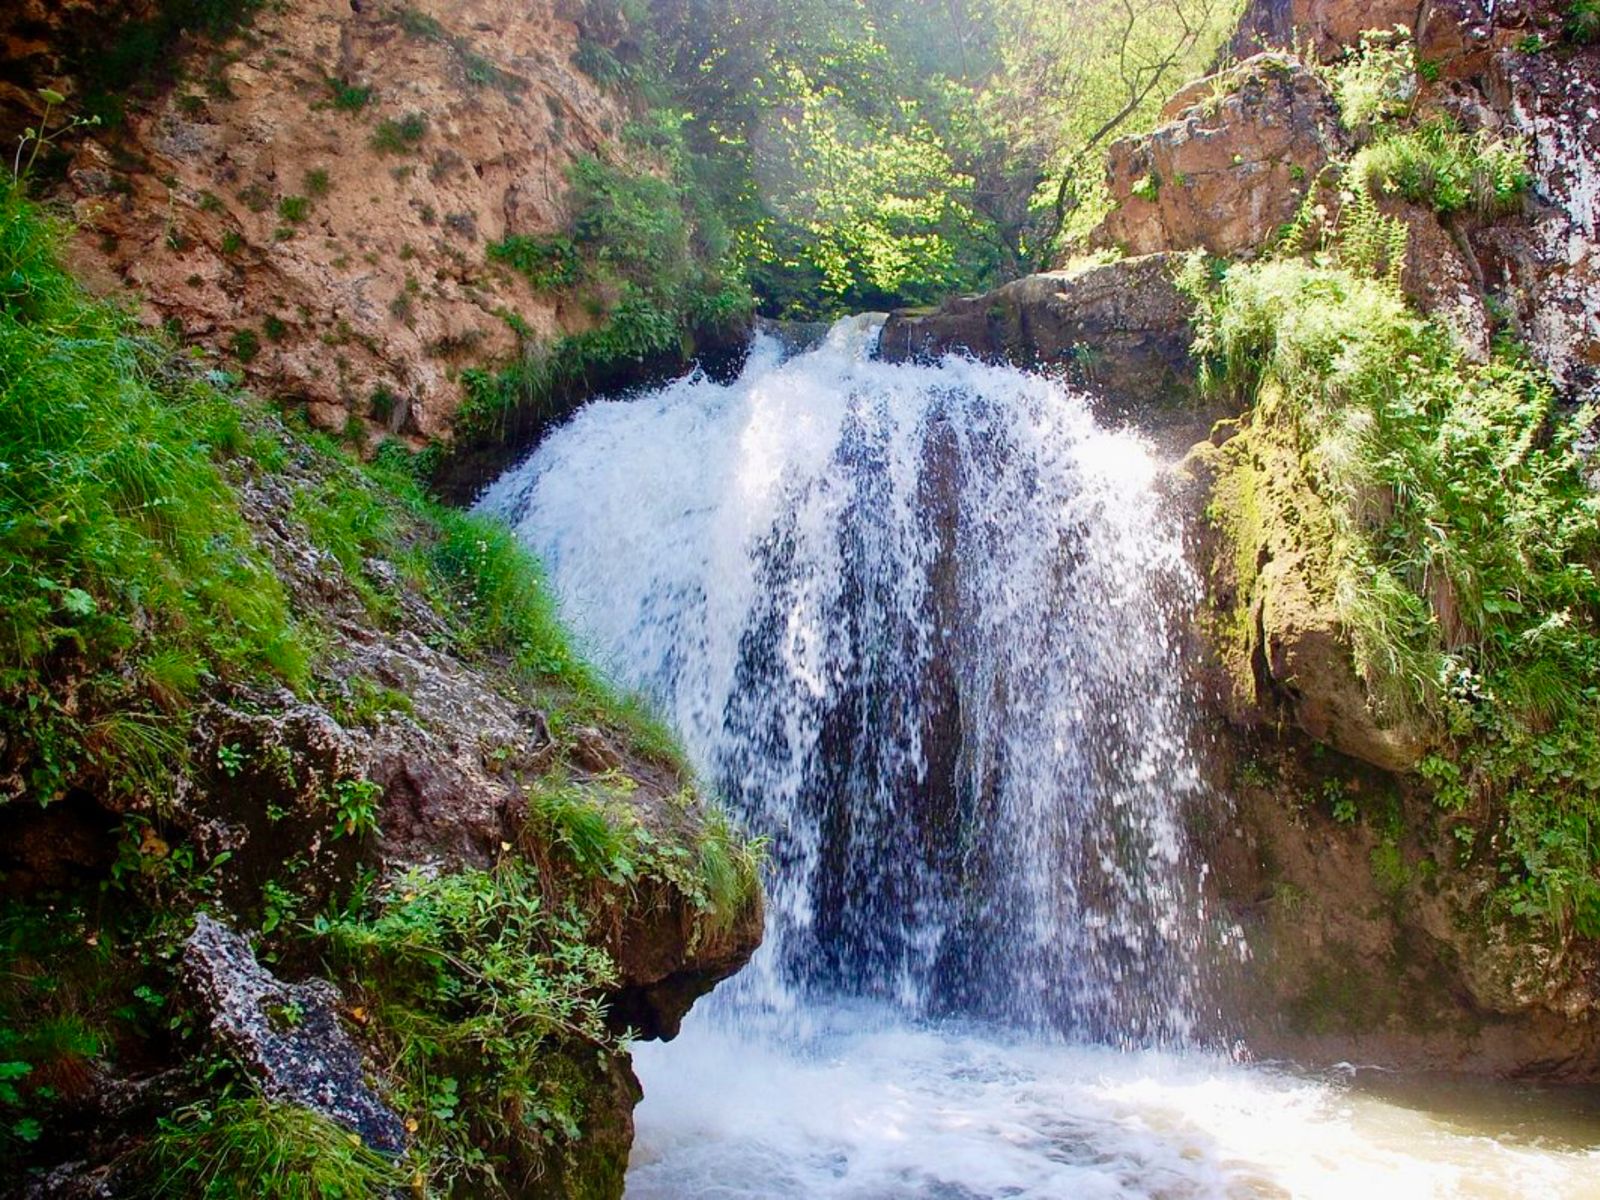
[
  {"x": 599, "y": 63},
  {"x": 245, "y": 345},
  {"x": 1376, "y": 81},
  {"x": 134, "y": 55},
  {"x": 402, "y": 136},
  {"x": 476, "y": 985},
  {"x": 547, "y": 262},
  {"x": 294, "y": 209},
  {"x": 348, "y": 97}
]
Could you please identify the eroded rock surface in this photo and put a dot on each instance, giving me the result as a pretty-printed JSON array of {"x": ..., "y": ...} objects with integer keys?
[
  {"x": 1119, "y": 330},
  {"x": 287, "y": 1035},
  {"x": 318, "y": 204},
  {"x": 1243, "y": 150}
]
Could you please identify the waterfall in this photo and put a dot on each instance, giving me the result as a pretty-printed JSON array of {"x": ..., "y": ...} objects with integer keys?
[
  {"x": 922, "y": 627},
  {"x": 914, "y": 623}
]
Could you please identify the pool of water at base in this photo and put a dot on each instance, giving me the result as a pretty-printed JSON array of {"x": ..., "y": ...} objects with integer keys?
[{"x": 866, "y": 1106}]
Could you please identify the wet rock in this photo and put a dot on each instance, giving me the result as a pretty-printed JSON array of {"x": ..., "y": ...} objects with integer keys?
[
  {"x": 1244, "y": 148},
  {"x": 1120, "y": 329},
  {"x": 1283, "y": 651},
  {"x": 287, "y": 1035}
]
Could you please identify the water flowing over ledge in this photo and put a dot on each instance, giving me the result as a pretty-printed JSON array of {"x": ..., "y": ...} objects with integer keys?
[{"x": 922, "y": 627}]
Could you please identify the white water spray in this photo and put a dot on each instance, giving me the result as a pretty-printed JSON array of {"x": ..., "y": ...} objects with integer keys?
[{"x": 916, "y": 624}]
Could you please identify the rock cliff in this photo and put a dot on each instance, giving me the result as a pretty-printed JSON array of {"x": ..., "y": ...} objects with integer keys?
[{"x": 312, "y": 191}]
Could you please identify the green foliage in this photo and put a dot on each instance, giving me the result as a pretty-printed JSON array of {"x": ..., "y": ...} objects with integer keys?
[
  {"x": 245, "y": 345},
  {"x": 598, "y": 829},
  {"x": 1438, "y": 165},
  {"x": 475, "y": 985},
  {"x": 402, "y": 136},
  {"x": 1376, "y": 81},
  {"x": 652, "y": 257},
  {"x": 1583, "y": 22},
  {"x": 355, "y": 806},
  {"x": 239, "y": 1147},
  {"x": 872, "y": 153},
  {"x": 117, "y": 533},
  {"x": 1466, "y": 544},
  {"x": 348, "y": 97},
  {"x": 547, "y": 262}
]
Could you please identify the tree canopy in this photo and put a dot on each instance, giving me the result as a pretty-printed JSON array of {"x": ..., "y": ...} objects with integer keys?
[{"x": 878, "y": 152}]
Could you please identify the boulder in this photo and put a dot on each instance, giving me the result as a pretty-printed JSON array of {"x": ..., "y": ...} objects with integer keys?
[
  {"x": 1282, "y": 649},
  {"x": 1243, "y": 149},
  {"x": 1120, "y": 328},
  {"x": 287, "y": 1035}
]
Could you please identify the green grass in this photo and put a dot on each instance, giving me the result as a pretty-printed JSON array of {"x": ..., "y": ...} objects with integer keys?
[
  {"x": 1438, "y": 165},
  {"x": 120, "y": 543},
  {"x": 597, "y": 828},
  {"x": 238, "y": 1148},
  {"x": 1466, "y": 550}
]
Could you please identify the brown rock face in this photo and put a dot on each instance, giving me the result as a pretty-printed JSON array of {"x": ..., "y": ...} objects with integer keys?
[
  {"x": 1359, "y": 950},
  {"x": 1547, "y": 266},
  {"x": 1272, "y": 621},
  {"x": 1231, "y": 169},
  {"x": 330, "y": 240},
  {"x": 1119, "y": 330},
  {"x": 1328, "y": 26}
]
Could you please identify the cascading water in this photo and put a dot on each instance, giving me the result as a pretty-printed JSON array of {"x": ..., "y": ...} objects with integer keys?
[{"x": 917, "y": 624}]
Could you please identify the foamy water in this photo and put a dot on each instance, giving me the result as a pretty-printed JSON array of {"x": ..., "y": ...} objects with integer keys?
[
  {"x": 874, "y": 1108},
  {"x": 923, "y": 626}
]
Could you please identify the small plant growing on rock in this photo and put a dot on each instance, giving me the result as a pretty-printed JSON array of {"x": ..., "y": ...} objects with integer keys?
[
  {"x": 294, "y": 209},
  {"x": 1148, "y": 188},
  {"x": 1583, "y": 22},
  {"x": 1378, "y": 81},
  {"x": 355, "y": 805},
  {"x": 546, "y": 262},
  {"x": 317, "y": 182},
  {"x": 245, "y": 345},
  {"x": 348, "y": 97},
  {"x": 402, "y": 136}
]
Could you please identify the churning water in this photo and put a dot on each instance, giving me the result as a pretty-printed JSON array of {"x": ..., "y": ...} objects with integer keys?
[{"x": 921, "y": 626}]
